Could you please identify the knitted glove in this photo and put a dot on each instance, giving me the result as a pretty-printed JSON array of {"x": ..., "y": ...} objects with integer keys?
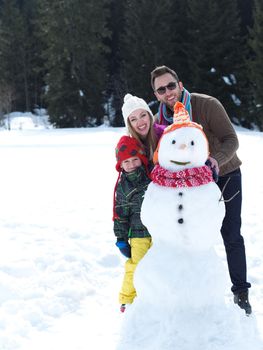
[
  {"x": 214, "y": 172},
  {"x": 124, "y": 247}
]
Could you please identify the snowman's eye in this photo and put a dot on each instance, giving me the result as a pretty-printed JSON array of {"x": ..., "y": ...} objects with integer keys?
[
  {"x": 173, "y": 142},
  {"x": 192, "y": 143}
]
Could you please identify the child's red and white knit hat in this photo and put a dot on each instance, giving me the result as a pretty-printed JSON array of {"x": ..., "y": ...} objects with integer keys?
[
  {"x": 128, "y": 147},
  {"x": 131, "y": 104}
]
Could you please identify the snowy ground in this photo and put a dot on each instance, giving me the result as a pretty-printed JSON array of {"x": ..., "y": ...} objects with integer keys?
[{"x": 60, "y": 272}]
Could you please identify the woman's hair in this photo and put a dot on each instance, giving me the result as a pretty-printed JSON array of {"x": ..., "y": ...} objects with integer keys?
[{"x": 149, "y": 143}]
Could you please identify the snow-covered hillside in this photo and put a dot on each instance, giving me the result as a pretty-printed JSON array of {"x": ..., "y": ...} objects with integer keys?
[{"x": 26, "y": 120}]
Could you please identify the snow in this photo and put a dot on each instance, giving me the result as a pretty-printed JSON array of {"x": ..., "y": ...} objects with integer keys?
[
  {"x": 60, "y": 272},
  {"x": 27, "y": 120}
]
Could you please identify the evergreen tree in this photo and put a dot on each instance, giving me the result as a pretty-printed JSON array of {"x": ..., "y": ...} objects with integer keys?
[
  {"x": 179, "y": 48},
  {"x": 255, "y": 64},
  {"x": 115, "y": 86},
  {"x": 74, "y": 33},
  {"x": 146, "y": 34},
  {"x": 245, "y": 10},
  {"x": 19, "y": 62},
  {"x": 36, "y": 69},
  {"x": 13, "y": 53},
  {"x": 146, "y": 43},
  {"x": 213, "y": 42}
]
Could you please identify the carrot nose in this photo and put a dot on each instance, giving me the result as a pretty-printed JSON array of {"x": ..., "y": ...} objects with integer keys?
[{"x": 182, "y": 146}]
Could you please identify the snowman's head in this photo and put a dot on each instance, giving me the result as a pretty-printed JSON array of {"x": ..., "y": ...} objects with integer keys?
[{"x": 183, "y": 144}]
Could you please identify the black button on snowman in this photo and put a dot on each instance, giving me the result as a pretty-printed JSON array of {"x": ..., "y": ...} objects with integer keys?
[{"x": 180, "y": 207}]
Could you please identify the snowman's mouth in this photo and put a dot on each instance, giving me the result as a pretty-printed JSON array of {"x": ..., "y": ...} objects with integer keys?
[{"x": 179, "y": 163}]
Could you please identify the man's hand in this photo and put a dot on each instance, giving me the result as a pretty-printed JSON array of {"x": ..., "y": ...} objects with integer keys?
[{"x": 212, "y": 163}]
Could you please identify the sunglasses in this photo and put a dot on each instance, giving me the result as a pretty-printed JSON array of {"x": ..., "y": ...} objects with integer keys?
[{"x": 171, "y": 86}]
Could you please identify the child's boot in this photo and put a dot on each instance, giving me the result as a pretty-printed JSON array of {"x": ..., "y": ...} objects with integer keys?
[{"x": 123, "y": 307}]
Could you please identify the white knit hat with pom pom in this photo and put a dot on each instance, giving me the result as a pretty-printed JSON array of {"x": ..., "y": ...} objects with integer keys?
[{"x": 131, "y": 104}]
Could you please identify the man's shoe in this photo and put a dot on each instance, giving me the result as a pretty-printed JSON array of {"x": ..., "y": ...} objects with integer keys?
[{"x": 241, "y": 299}]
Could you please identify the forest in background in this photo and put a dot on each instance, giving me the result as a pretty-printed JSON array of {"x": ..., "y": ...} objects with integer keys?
[{"x": 78, "y": 58}]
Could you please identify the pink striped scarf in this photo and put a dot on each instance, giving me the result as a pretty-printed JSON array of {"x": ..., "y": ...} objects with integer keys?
[{"x": 183, "y": 178}]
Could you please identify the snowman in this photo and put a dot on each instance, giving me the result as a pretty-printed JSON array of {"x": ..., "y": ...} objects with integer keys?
[
  {"x": 183, "y": 210},
  {"x": 181, "y": 281}
]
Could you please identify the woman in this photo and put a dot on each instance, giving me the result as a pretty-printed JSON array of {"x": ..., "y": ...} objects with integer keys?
[{"x": 139, "y": 121}]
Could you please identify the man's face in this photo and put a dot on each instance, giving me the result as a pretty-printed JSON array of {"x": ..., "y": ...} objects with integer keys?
[{"x": 168, "y": 90}]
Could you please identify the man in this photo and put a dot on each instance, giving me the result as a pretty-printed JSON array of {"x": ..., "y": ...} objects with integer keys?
[{"x": 223, "y": 143}]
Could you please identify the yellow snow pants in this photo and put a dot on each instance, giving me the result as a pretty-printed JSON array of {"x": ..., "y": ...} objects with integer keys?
[{"x": 139, "y": 247}]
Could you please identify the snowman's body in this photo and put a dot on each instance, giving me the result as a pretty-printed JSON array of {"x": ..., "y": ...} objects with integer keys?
[{"x": 182, "y": 215}]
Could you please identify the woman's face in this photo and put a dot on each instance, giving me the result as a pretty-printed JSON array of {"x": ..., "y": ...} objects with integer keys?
[{"x": 140, "y": 122}]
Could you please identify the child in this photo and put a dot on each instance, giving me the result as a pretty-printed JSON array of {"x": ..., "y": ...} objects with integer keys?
[{"x": 133, "y": 239}]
